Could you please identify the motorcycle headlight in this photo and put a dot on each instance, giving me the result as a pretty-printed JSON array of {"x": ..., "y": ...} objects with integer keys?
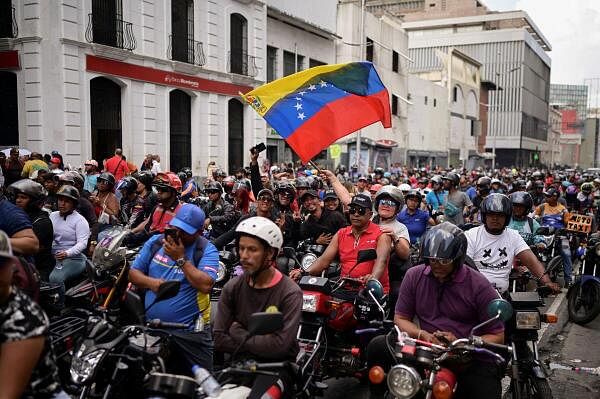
[
  {"x": 403, "y": 382},
  {"x": 528, "y": 321},
  {"x": 221, "y": 272},
  {"x": 83, "y": 366},
  {"x": 309, "y": 303},
  {"x": 307, "y": 260}
]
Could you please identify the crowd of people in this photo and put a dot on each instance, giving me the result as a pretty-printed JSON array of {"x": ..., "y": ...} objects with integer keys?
[{"x": 54, "y": 218}]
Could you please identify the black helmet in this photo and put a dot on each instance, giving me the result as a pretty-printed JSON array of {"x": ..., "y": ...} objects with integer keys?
[
  {"x": 522, "y": 198},
  {"x": 128, "y": 184},
  {"x": 414, "y": 194},
  {"x": 539, "y": 184},
  {"x": 484, "y": 185},
  {"x": 436, "y": 179},
  {"x": 145, "y": 177},
  {"x": 497, "y": 203},
  {"x": 453, "y": 178},
  {"x": 213, "y": 186},
  {"x": 219, "y": 173},
  {"x": 69, "y": 192},
  {"x": 302, "y": 182},
  {"x": 552, "y": 192},
  {"x": 78, "y": 179},
  {"x": 285, "y": 187},
  {"x": 108, "y": 177},
  {"x": 32, "y": 189},
  {"x": 187, "y": 171},
  {"x": 66, "y": 178},
  {"x": 379, "y": 171},
  {"x": 444, "y": 241},
  {"x": 182, "y": 176}
]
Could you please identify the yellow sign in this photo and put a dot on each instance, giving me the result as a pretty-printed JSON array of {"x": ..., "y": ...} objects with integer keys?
[
  {"x": 335, "y": 150},
  {"x": 579, "y": 223}
]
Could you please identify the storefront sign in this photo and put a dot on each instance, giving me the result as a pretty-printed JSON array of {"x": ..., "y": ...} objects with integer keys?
[{"x": 158, "y": 76}]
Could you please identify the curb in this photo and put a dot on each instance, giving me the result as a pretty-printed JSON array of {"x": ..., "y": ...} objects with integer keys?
[{"x": 559, "y": 308}]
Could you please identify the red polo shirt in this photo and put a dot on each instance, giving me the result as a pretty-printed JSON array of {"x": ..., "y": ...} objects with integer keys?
[
  {"x": 161, "y": 217},
  {"x": 117, "y": 166},
  {"x": 348, "y": 248}
]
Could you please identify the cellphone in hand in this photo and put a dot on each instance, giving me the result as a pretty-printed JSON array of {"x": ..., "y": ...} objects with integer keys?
[
  {"x": 259, "y": 148},
  {"x": 173, "y": 233}
]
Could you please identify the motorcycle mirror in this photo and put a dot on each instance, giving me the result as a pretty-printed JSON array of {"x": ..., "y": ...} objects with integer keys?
[
  {"x": 167, "y": 290},
  {"x": 263, "y": 323},
  {"x": 366, "y": 255},
  {"x": 134, "y": 304},
  {"x": 500, "y": 308},
  {"x": 375, "y": 287}
]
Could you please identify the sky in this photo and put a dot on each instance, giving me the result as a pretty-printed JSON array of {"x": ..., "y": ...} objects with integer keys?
[{"x": 573, "y": 30}]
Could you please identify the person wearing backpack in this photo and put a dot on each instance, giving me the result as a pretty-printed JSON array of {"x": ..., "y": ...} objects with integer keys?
[
  {"x": 181, "y": 253},
  {"x": 522, "y": 205}
]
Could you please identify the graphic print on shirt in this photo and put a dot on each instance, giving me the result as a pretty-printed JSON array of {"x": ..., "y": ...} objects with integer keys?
[{"x": 500, "y": 262}]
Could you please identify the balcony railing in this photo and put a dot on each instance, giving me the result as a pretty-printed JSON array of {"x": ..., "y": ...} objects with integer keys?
[
  {"x": 113, "y": 32},
  {"x": 186, "y": 50},
  {"x": 241, "y": 63},
  {"x": 8, "y": 24}
]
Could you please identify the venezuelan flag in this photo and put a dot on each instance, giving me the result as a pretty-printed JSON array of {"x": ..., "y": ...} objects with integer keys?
[{"x": 313, "y": 108}]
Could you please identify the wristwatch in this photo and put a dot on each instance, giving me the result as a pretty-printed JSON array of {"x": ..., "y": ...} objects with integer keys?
[{"x": 180, "y": 262}]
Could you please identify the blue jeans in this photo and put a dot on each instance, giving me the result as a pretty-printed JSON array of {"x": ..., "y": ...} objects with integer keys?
[
  {"x": 565, "y": 253},
  {"x": 67, "y": 269}
]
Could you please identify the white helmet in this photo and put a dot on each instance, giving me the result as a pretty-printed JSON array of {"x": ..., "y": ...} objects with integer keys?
[
  {"x": 263, "y": 228},
  {"x": 404, "y": 187}
]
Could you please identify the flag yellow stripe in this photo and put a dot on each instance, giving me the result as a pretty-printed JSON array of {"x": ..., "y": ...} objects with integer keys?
[{"x": 264, "y": 97}]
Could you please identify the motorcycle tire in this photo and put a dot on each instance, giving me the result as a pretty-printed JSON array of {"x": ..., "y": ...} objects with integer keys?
[
  {"x": 536, "y": 388},
  {"x": 555, "y": 270},
  {"x": 587, "y": 296}
]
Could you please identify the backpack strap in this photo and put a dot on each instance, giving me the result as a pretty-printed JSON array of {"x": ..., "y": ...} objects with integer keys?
[
  {"x": 530, "y": 221},
  {"x": 199, "y": 248}
]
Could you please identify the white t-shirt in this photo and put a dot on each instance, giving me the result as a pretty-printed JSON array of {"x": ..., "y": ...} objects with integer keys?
[{"x": 494, "y": 254}]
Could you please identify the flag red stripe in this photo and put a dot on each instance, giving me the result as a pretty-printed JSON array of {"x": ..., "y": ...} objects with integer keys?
[{"x": 338, "y": 119}]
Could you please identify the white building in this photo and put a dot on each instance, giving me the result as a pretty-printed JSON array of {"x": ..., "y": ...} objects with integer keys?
[
  {"x": 386, "y": 46},
  {"x": 428, "y": 123},
  {"x": 151, "y": 76},
  {"x": 300, "y": 35}
]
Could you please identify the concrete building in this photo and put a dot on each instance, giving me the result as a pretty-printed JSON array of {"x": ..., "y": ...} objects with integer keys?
[
  {"x": 459, "y": 75},
  {"x": 513, "y": 54},
  {"x": 151, "y": 76},
  {"x": 299, "y": 36},
  {"x": 589, "y": 153},
  {"x": 386, "y": 46},
  {"x": 428, "y": 123},
  {"x": 551, "y": 154}
]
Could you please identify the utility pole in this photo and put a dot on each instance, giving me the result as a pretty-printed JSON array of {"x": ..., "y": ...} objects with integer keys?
[{"x": 360, "y": 58}]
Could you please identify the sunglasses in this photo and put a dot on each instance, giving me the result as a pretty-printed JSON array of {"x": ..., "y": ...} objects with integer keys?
[
  {"x": 265, "y": 198},
  {"x": 441, "y": 261},
  {"x": 162, "y": 189},
  {"x": 387, "y": 202},
  {"x": 357, "y": 210}
]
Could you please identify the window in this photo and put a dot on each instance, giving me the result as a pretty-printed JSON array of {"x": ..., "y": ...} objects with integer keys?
[
  {"x": 271, "y": 63},
  {"x": 455, "y": 94},
  {"x": 435, "y": 102},
  {"x": 236, "y": 135},
  {"x": 9, "y": 111},
  {"x": 425, "y": 100},
  {"x": 395, "y": 61},
  {"x": 182, "y": 28},
  {"x": 180, "y": 124},
  {"x": 289, "y": 63},
  {"x": 300, "y": 62},
  {"x": 394, "y": 105},
  {"x": 314, "y": 63},
  {"x": 369, "y": 49},
  {"x": 238, "y": 44}
]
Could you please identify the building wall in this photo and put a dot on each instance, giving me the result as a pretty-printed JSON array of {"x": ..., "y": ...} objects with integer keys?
[
  {"x": 588, "y": 156},
  {"x": 54, "y": 81},
  {"x": 387, "y": 37}
]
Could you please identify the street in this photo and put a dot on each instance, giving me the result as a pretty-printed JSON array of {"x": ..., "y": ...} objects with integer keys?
[{"x": 571, "y": 345}]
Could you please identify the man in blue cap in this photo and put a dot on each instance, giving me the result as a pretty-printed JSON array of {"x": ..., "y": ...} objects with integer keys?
[{"x": 182, "y": 254}]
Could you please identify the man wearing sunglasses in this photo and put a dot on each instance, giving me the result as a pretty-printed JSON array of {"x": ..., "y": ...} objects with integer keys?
[
  {"x": 361, "y": 234},
  {"x": 321, "y": 224}
]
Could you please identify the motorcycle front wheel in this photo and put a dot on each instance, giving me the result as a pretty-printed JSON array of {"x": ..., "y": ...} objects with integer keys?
[
  {"x": 534, "y": 388},
  {"x": 584, "y": 302}
]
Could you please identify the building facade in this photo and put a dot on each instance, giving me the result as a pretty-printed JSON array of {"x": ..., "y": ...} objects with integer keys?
[
  {"x": 512, "y": 51},
  {"x": 160, "y": 77},
  {"x": 551, "y": 154},
  {"x": 385, "y": 44}
]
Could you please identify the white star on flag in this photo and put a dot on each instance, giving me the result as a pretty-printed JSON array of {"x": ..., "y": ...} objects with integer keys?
[
  {"x": 323, "y": 83},
  {"x": 301, "y": 116},
  {"x": 302, "y": 93},
  {"x": 312, "y": 87},
  {"x": 298, "y": 106},
  {"x": 298, "y": 98}
]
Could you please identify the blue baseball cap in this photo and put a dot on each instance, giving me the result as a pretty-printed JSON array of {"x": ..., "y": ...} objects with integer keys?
[{"x": 189, "y": 218}]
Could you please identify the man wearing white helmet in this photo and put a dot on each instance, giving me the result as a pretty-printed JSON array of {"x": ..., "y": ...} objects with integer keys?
[{"x": 262, "y": 288}]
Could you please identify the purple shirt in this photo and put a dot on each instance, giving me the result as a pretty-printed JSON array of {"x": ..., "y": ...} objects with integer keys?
[{"x": 456, "y": 306}]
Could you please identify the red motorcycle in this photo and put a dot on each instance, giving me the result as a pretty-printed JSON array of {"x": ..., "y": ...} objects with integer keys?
[{"x": 338, "y": 321}]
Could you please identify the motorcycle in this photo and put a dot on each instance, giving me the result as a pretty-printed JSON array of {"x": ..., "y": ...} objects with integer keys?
[
  {"x": 549, "y": 251},
  {"x": 332, "y": 329},
  {"x": 529, "y": 377},
  {"x": 303, "y": 257},
  {"x": 583, "y": 297},
  {"x": 113, "y": 362},
  {"x": 423, "y": 367}
]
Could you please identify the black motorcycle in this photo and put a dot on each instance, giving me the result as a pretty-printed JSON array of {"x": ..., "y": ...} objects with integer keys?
[
  {"x": 529, "y": 377},
  {"x": 114, "y": 362},
  {"x": 584, "y": 295}
]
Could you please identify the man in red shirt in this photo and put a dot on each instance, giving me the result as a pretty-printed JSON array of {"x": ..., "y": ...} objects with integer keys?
[
  {"x": 117, "y": 165},
  {"x": 361, "y": 234}
]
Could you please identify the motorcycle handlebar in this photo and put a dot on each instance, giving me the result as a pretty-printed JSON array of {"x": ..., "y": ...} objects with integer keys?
[{"x": 157, "y": 323}]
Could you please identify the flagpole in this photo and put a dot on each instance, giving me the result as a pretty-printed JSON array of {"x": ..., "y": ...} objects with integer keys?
[{"x": 360, "y": 58}]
